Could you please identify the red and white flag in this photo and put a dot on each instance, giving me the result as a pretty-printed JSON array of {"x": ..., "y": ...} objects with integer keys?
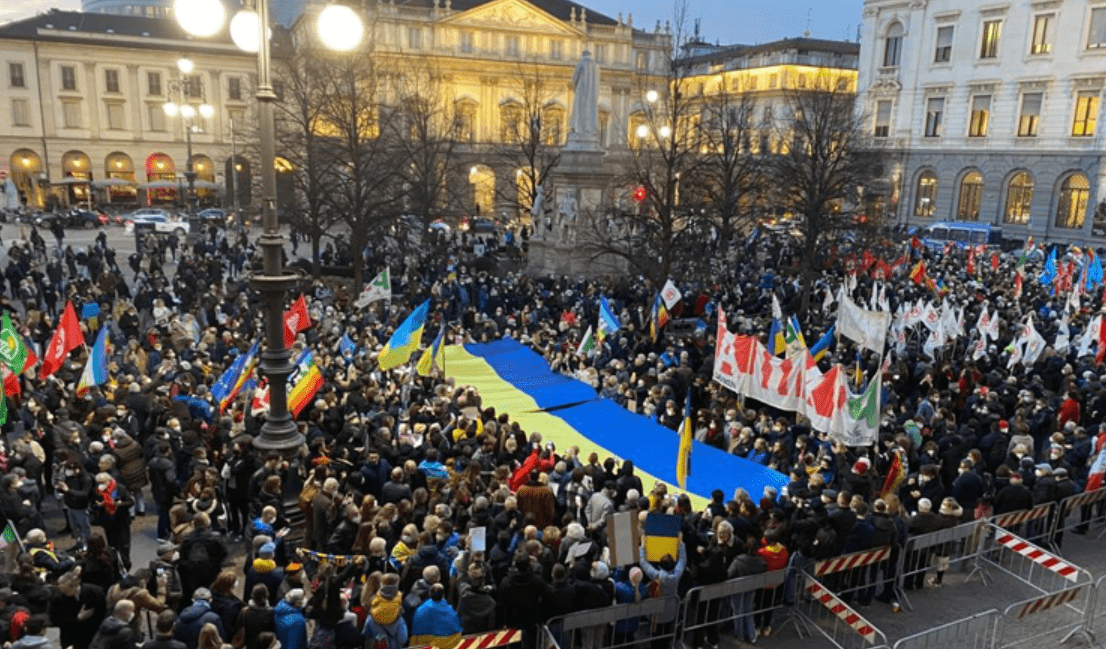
[
  {"x": 67, "y": 337},
  {"x": 296, "y": 320},
  {"x": 260, "y": 402}
]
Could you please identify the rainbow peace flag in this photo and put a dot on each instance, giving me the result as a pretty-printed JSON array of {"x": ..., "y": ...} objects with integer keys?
[
  {"x": 230, "y": 383},
  {"x": 305, "y": 380},
  {"x": 96, "y": 370}
]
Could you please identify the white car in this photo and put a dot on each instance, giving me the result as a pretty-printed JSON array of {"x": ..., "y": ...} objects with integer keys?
[{"x": 164, "y": 221}]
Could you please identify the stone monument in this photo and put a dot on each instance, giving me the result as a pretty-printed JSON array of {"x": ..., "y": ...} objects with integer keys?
[{"x": 576, "y": 195}]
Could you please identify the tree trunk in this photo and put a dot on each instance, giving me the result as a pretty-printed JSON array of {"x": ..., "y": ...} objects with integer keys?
[
  {"x": 316, "y": 240},
  {"x": 357, "y": 243}
]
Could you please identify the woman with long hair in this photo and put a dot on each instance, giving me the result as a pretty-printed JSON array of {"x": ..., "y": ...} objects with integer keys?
[
  {"x": 256, "y": 618},
  {"x": 224, "y": 602},
  {"x": 209, "y": 638},
  {"x": 100, "y": 565}
]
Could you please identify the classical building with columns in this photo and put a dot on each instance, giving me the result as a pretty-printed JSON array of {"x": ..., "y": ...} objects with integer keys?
[
  {"x": 84, "y": 111},
  {"x": 991, "y": 111}
]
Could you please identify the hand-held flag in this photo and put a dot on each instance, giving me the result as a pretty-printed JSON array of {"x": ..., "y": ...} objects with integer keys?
[
  {"x": 378, "y": 289},
  {"x": 683, "y": 458},
  {"x": 406, "y": 339},
  {"x": 67, "y": 337},
  {"x": 96, "y": 370},
  {"x": 432, "y": 357},
  {"x": 296, "y": 320}
]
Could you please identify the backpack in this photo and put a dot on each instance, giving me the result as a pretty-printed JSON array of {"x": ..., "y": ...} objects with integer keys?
[{"x": 198, "y": 555}]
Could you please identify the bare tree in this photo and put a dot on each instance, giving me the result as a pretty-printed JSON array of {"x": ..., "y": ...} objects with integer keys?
[
  {"x": 532, "y": 130},
  {"x": 305, "y": 137},
  {"x": 367, "y": 185},
  {"x": 425, "y": 134},
  {"x": 823, "y": 169},
  {"x": 665, "y": 143},
  {"x": 729, "y": 175}
]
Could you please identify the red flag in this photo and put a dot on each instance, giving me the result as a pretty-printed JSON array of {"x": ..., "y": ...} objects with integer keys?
[
  {"x": 67, "y": 337},
  {"x": 1101, "y": 354},
  {"x": 1017, "y": 286},
  {"x": 915, "y": 242},
  {"x": 900, "y": 262},
  {"x": 917, "y": 275},
  {"x": 568, "y": 317},
  {"x": 971, "y": 261},
  {"x": 11, "y": 383},
  {"x": 296, "y": 320},
  {"x": 867, "y": 260},
  {"x": 994, "y": 262}
]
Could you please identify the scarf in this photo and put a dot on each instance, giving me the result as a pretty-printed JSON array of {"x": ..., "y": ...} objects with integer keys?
[
  {"x": 386, "y": 606},
  {"x": 106, "y": 493}
]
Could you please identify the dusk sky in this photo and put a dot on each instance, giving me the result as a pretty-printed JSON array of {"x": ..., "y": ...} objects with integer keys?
[{"x": 727, "y": 21}]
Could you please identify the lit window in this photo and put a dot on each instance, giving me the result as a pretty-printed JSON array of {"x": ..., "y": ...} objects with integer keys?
[
  {"x": 1030, "y": 117},
  {"x": 1086, "y": 114},
  {"x": 1072, "y": 209},
  {"x": 988, "y": 48},
  {"x": 981, "y": 116},
  {"x": 971, "y": 196},
  {"x": 1019, "y": 199},
  {"x": 1042, "y": 34},
  {"x": 926, "y": 196}
]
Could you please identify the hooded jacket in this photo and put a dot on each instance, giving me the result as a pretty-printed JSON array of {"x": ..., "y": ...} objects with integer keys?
[
  {"x": 192, "y": 619},
  {"x": 291, "y": 626},
  {"x": 386, "y": 620},
  {"x": 114, "y": 634}
]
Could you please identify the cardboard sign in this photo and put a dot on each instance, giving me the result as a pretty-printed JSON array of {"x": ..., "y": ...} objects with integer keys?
[
  {"x": 623, "y": 538},
  {"x": 478, "y": 539}
]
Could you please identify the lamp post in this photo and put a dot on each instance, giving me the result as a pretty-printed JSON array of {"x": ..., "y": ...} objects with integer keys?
[
  {"x": 339, "y": 28},
  {"x": 187, "y": 112}
]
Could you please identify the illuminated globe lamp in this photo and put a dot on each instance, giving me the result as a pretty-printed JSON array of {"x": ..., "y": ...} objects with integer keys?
[{"x": 338, "y": 28}]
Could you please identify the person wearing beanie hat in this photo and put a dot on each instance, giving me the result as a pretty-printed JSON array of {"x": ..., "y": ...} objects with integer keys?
[
  {"x": 264, "y": 570},
  {"x": 859, "y": 480}
]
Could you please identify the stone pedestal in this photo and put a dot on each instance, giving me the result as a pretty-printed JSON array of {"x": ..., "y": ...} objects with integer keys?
[{"x": 580, "y": 187}]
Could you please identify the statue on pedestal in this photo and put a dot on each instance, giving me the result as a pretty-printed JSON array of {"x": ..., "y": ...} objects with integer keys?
[{"x": 584, "y": 122}]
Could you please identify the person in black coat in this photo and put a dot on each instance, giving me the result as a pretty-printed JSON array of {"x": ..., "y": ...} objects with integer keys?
[
  {"x": 77, "y": 609},
  {"x": 521, "y": 598},
  {"x": 1014, "y": 496},
  {"x": 115, "y": 631},
  {"x": 163, "y": 637},
  {"x": 202, "y": 553}
]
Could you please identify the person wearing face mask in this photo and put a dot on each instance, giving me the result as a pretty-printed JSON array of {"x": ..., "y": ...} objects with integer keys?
[
  {"x": 164, "y": 582},
  {"x": 968, "y": 487},
  {"x": 76, "y": 489},
  {"x": 115, "y": 631},
  {"x": 341, "y": 539}
]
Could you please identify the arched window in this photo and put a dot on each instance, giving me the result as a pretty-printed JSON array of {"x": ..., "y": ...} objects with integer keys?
[
  {"x": 1072, "y": 209},
  {"x": 971, "y": 196},
  {"x": 925, "y": 198},
  {"x": 1019, "y": 198},
  {"x": 892, "y": 46}
]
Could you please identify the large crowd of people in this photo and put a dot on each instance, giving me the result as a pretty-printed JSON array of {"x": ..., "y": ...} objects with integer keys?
[{"x": 362, "y": 538}]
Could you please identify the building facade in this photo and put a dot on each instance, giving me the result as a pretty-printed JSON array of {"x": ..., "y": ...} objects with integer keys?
[
  {"x": 991, "y": 111},
  {"x": 82, "y": 117},
  {"x": 86, "y": 91}
]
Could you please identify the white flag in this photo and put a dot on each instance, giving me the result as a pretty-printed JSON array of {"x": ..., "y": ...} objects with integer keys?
[
  {"x": 1034, "y": 344},
  {"x": 670, "y": 294},
  {"x": 1090, "y": 336},
  {"x": 827, "y": 304},
  {"x": 1063, "y": 337},
  {"x": 980, "y": 349},
  {"x": 378, "y": 289},
  {"x": 868, "y": 328}
]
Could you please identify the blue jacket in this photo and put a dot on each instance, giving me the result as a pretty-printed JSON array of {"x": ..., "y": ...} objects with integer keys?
[
  {"x": 395, "y": 634},
  {"x": 291, "y": 626},
  {"x": 192, "y": 619}
]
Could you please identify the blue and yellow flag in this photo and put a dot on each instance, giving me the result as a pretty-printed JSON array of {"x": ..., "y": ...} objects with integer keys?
[
  {"x": 433, "y": 356},
  {"x": 776, "y": 341},
  {"x": 683, "y": 458},
  {"x": 818, "y": 351},
  {"x": 96, "y": 370},
  {"x": 608, "y": 322},
  {"x": 406, "y": 339},
  {"x": 346, "y": 347}
]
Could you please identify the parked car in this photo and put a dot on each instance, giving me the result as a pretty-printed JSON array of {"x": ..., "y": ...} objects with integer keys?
[
  {"x": 82, "y": 218},
  {"x": 215, "y": 215},
  {"x": 162, "y": 221},
  {"x": 478, "y": 224}
]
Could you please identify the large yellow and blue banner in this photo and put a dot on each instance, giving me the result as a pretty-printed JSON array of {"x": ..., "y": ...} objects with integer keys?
[{"x": 515, "y": 380}]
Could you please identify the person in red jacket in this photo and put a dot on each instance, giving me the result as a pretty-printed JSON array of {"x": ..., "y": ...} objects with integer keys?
[
  {"x": 775, "y": 556},
  {"x": 1069, "y": 410},
  {"x": 541, "y": 459}
]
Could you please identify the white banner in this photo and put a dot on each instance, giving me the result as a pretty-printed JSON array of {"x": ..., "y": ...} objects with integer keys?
[
  {"x": 867, "y": 328},
  {"x": 744, "y": 365}
]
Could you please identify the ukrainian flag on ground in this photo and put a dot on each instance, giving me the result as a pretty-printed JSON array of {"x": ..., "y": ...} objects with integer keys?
[{"x": 406, "y": 339}]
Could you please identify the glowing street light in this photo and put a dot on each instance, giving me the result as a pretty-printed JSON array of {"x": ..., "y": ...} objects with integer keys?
[{"x": 202, "y": 18}]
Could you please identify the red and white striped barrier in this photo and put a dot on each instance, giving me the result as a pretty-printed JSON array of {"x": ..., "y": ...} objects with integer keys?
[
  {"x": 1037, "y": 555},
  {"x": 1048, "y": 601},
  {"x": 1017, "y": 518},
  {"x": 1085, "y": 498},
  {"x": 486, "y": 640},
  {"x": 841, "y": 610},
  {"x": 850, "y": 561}
]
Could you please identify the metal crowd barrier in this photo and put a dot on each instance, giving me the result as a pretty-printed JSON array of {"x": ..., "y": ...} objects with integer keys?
[
  {"x": 1035, "y": 524},
  {"x": 858, "y": 577},
  {"x": 956, "y": 547},
  {"x": 655, "y": 619},
  {"x": 821, "y": 611},
  {"x": 1040, "y": 621},
  {"x": 1079, "y": 511},
  {"x": 733, "y": 607},
  {"x": 1097, "y": 612},
  {"x": 1029, "y": 563},
  {"x": 976, "y": 632}
]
